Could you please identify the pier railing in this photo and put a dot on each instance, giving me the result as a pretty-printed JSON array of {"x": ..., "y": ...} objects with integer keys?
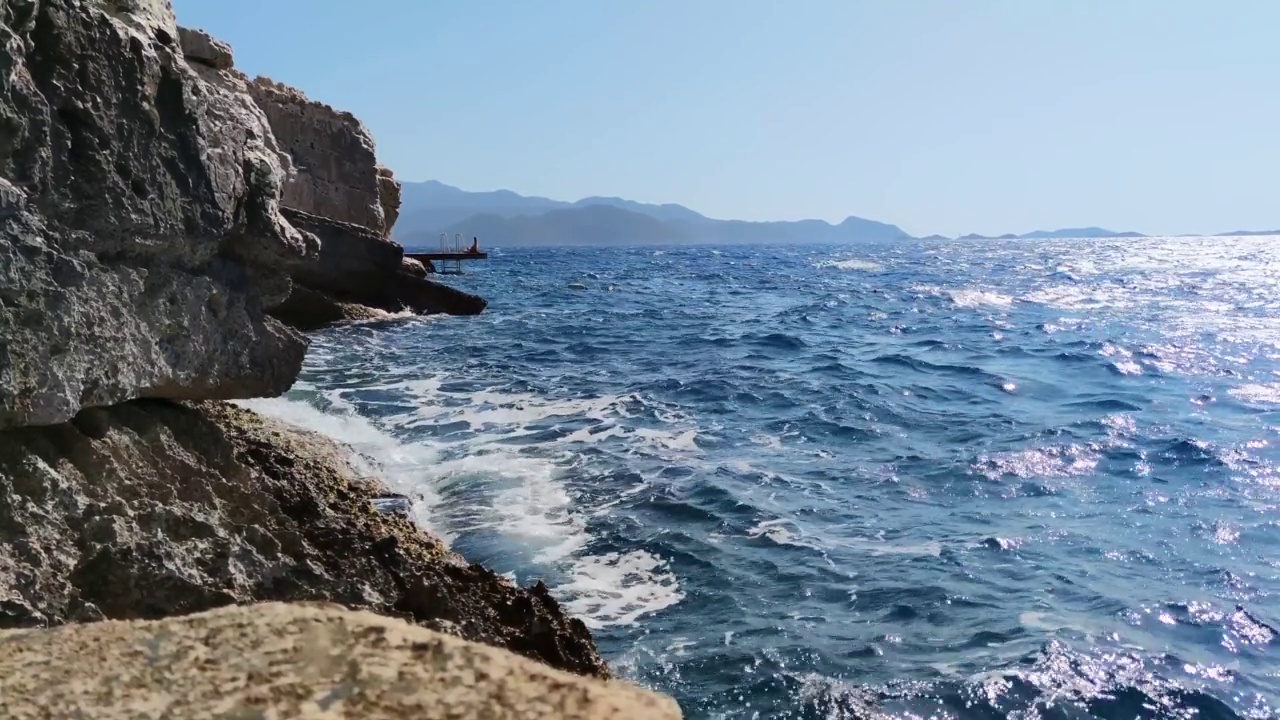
[{"x": 453, "y": 251}]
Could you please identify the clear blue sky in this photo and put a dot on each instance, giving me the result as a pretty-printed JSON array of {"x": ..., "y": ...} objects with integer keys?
[{"x": 945, "y": 116}]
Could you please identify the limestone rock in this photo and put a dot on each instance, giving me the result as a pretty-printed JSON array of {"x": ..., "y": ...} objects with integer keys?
[
  {"x": 140, "y": 233},
  {"x": 389, "y": 197},
  {"x": 199, "y": 46},
  {"x": 340, "y": 195},
  {"x": 352, "y": 260},
  {"x": 149, "y": 509},
  {"x": 333, "y": 153},
  {"x": 288, "y": 661},
  {"x": 413, "y": 268},
  {"x": 308, "y": 309},
  {"x": 426, "y": 297}
]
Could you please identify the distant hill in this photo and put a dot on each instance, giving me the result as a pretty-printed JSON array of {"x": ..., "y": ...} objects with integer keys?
[
  {"x": 503, "y": 217},
  {"x": 665, "y": 212},
  {"x": 433, "y": 206},
  {"x": 1064, "y": 233},
  {"x": 1085, "y": 232},
  {"x": 1248, "y": 233},
  {"x": 588, "y": 225}
]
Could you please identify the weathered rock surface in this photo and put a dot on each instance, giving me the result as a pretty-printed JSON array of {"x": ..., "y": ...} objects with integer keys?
[
  {"x": 150, "y": 509},
  {"x": 140, "y": 233},
  {"x": 389, "y": 196},
  {"x": 352, "y": 260},
  {"x": 144, "y": 244},
  {"x": 337, "y": 168},
  {"x": 308, "y": 309},
  {"x": 292, "y": 661},
  {"x": 340, "y": 195},
  {"x": 199, "y": 46}
]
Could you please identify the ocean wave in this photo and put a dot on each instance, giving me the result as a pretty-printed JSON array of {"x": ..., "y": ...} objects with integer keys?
[
  {"x": 851, "y": 264},
  {"x": 972, "y": 298}
]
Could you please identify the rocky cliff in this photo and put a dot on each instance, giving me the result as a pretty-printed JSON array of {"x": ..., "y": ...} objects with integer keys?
[
  {"x": 337, "y": 192},
  {"x": 149, "y": 240},
  {"x": 142, "y": 240}
]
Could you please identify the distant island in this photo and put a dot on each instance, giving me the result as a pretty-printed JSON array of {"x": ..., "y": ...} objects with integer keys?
[
  {"x": 1085, "y": 232},
  {"x": 506, "y": 218},
  {"x": 1248, "y": 233}
]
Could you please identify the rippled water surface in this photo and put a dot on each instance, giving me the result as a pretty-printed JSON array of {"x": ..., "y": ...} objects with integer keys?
[{"x": 969, "y": 480}]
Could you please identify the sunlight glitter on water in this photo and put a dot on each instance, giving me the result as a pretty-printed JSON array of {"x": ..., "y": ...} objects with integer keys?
[{"x": 959, "y": 480}]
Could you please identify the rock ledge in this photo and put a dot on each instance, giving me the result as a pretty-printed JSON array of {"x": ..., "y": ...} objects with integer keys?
[{"x": 278, "y": 660}]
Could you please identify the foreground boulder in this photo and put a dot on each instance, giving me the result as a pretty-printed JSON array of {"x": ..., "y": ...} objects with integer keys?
[
  {"x": 151, "y": 509},
  {"x": 141, "y": 239},
  {"x": 292, "y": 661}
]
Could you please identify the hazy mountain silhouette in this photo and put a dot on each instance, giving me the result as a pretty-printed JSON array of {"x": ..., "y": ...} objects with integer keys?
[
  {"x": 503, "y": 217},
  {"x": 1248, "y": 233},
  {"x": 665, "y": 212},
  {"x": 587, "y": 225},
  {"x": 1085, "y": 232},
  {"x": 433, "y": 206}
]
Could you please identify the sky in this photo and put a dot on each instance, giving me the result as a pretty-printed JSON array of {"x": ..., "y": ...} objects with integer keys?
[{"x": 941, "y": 116}]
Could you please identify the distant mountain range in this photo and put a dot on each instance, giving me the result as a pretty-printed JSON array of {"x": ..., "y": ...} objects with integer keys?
[{"x": 502, "y": 217}]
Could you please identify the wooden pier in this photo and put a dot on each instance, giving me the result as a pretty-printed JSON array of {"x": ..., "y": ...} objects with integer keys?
[{"x": 449, "y": 258}]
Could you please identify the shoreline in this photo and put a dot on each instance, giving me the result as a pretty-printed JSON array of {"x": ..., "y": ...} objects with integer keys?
[{"x": 168, "y": 228}]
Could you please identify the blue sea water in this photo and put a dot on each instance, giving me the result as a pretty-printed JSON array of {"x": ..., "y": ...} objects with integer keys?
[{"x": 962, "y": 480}]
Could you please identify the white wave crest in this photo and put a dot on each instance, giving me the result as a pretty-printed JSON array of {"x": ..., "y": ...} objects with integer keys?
[
  {"x": 851, "y": 264},
  {"x": 619, "y": 588}
]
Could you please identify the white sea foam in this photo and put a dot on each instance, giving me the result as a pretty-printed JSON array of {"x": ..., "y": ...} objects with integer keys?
[
  {"x": 619, "y": 588},
  {"x": 971, "y": 298},
  {"x": 782, "y": 532},
  {"x": 1268, "y": 394},
  {"x": 400, "y": 465},
  {"x": 851, "y": 264},
  {"x": 486, "y": 480},
  {"x": 773, "y": 442}
]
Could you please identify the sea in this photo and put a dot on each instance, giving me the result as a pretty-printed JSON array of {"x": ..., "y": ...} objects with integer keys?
[{"x": 954, "y": 479}]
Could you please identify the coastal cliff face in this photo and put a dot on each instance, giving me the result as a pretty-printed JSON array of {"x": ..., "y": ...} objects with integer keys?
[
  {"x": 337, "y": 192},
  {"x": 142, "y": 239},
  {"x": 337, "y": 167},
  {"x": 147, "y": 244}
]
